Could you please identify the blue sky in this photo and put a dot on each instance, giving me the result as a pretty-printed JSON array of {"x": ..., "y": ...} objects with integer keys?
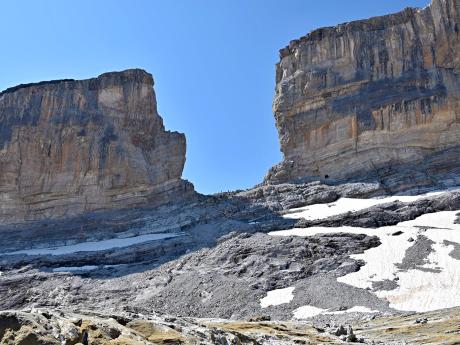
[{"x": 212, "y": 60}]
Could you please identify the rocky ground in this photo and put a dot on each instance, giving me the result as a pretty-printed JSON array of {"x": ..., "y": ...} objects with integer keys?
[
  {"x": 102, "y": 241},
  {"x": 228, "y": 262},
  {"x": 55, "y": 326},
  {"x": 203, "y": 220}
]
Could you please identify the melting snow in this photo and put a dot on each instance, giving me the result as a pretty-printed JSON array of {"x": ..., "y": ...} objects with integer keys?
[
  {"x": 355, "y": 309},
  {"x": 85, "y": 268},
  {"x": 96, "y": 245},
  {"x": 277, "y": 297},
  {"x": 424, "y": 290},
  {"x": 343, "y": 205},
  {"x": 418, "y": 290},
  {"x": 307, "y": 311},
  {"x": 75, "y": 269}
]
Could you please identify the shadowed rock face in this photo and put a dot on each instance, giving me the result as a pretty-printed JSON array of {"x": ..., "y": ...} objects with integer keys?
[
  {"x": 375, "y": 99},
  {"x": 68, "y": 146}
]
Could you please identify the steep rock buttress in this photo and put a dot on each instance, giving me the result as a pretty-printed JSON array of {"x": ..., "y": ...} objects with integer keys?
[
  {"x": 376, "y": 99},
  {"x": 67, "y": 147}
]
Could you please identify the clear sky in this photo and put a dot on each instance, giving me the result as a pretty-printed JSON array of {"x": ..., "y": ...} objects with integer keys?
[{"x": 212, "y": 60}]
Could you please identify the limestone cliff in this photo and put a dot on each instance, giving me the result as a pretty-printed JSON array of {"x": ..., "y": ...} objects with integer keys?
[
  {"x": 376, "y": 99},
  {"x": 69, "y": 146}
]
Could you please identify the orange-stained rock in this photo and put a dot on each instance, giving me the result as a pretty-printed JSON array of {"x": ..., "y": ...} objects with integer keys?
[
  {"x": 67, "y": 147},
  {"x": 375, "y": 99}
]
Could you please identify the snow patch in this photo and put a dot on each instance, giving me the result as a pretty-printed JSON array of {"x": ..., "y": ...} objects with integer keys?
[
  {"x": 418, "y": 290},
  {"x": 307, "y": 311},
  {"x": 344, "y": 205},
  {"x": 96, "y": 245},
  {"x": 427, "y": 290},
  {"x": 277, "y": 297},
  {"x": 355, "y": 309},
  {"x": 85, "y": 268}
]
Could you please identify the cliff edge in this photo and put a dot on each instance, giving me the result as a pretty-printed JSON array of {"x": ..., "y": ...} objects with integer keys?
[
  {"x": 373, "y": 100},
  {"x": 68, "y": 147}
]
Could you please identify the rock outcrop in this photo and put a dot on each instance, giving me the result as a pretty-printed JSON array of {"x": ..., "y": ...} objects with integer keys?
[
  {"x": 55, "y": 326},
  {"x": 68, "y": 147},
  {"x": 375, "y": 99}
]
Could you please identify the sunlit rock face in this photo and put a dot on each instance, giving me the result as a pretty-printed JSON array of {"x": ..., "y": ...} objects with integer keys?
[
  {"x": 67, "y": 147},
  {"x": 376, "y": 99}
]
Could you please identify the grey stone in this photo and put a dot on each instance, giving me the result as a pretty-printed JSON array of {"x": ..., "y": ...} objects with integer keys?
[
  {"x": 416, "y": 256},
  {"x": 455, "y": 253}
]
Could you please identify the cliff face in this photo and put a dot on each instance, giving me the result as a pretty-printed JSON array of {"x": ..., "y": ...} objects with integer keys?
[
  {"x": 377, "y": 99},
  {"x": 68, "y": 146}
]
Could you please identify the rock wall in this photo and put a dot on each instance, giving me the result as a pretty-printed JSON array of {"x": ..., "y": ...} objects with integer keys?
[
  {"x": 376, "y": 99},
  {"x": 67, "y": 147}
]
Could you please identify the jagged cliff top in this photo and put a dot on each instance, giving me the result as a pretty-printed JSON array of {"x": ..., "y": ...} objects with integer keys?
[
  {"x": 119, "y": 76},
  {"x": 370, "y": 24}
]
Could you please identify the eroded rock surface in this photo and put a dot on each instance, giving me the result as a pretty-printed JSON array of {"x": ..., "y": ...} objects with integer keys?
[
  {"x": 48, "y": 326},
  {"x": 374, "y": 100},
  {"x": 58, "y": 326},
  {"x": 221, "y": 264},
  {"x": 67, "y": 147},
  {"x": 226, "y": 281},
  {"x": 377, "y": 100}
]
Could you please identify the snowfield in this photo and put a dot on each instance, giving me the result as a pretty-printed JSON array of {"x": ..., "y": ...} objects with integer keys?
[
  {"x": 432, "y": 285},
  {"x": 344, "y": 205},
  {"x": 425, "y": 290},
  {"x": 95, "y": 245}
]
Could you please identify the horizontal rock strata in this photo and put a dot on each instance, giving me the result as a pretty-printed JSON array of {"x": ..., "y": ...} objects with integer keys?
[
  {"x": 375, "y": 99},
  {"x": 68, "y": 147}
]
